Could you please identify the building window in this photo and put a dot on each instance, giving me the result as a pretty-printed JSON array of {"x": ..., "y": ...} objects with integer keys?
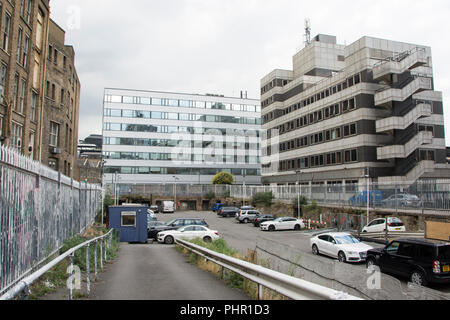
[
  {"x": 23, "y": 88},
  {"x": 3, "y": 69},
  {"x": 54, "y": 134},
  {"x": 15, "y": 141},
  {"x": 53, "y": 164},
  {"x": 19, "y": 44},
  {"x": 15, "y": 91},
  {"x": 28, "y": 13},
  {"x": 26, "y": 47},
  {"x": 33, "y": 106},
  {"x": 6, "y": 30}
]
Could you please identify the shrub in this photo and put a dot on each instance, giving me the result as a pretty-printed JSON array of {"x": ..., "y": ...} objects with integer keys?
[
  {"x": 263, "y": 199},
  {"x": 223, "y": 178}
]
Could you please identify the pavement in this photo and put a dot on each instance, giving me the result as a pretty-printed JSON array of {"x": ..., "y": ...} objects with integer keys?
[{"x": 158, "y": 272}]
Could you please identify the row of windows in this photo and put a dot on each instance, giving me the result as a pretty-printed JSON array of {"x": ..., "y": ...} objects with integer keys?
[
  {"x": 181, "y": 157},
  {"x": 274, "y": 83},
  {"x": 324, "y": 136},
  {"x": 181, "y": 103},
  {"x": 180, "y": 171},
  {"x": 329, "y": 159},
  {"x": 318, "y": 116},
  {"x": 175, "y": 129},
  {"x": 178, "y": 143},
  {"x": 349, "y": 82},
  {"x": 179, "y": 116}
]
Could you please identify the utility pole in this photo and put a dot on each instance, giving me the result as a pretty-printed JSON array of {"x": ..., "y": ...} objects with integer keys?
[
  {"x": 298, "y": 192},
  {"x": 368, "y": 193}
]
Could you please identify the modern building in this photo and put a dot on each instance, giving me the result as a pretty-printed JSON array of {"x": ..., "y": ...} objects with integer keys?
[
  {"x": 24, "y": 29},
  {"x": 345, "y": 112},
  {"x": 61, "y": 108},
  {"x": 154, "y": 137}
]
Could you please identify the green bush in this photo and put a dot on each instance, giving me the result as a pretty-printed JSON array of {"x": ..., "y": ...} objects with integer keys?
[
  {"x": 210, "y": 196},
  {"x": 262, "y": 199},
  {"x": 223, "y": 178},
  {"x": 303, "y": 201}
]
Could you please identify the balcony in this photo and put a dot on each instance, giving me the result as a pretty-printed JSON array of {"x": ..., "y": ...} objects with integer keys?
[
  {"x": 413, "y": 175},
  {"x": 419, "y": 84},
  {"x": 403, "y": 63},
  {"x": 403, "y": 151},
  {"x": 401, "y": 123}
]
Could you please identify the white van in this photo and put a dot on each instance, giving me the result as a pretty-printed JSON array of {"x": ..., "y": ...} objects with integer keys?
[{"x": 168, "y": 207}]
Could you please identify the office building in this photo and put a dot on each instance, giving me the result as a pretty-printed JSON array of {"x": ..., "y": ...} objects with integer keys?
[
  {"x": 154, "y": 137},
  {"x": 347, "y": 112}
]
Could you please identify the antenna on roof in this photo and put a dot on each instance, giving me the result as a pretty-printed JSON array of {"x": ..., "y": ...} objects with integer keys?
[{"x": 307, "y": 31}]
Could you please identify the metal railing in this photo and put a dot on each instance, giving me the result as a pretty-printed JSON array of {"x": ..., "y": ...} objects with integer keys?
[
  {"x": 39, "y": 210},
  {"x": 22, "y": 289},
  {"x": 290, "y": 287}
]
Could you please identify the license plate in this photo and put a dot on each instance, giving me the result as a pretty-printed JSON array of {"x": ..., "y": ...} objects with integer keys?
[
  {"x": 398, "y": 229},
  {"x": 446, "y": 268}
]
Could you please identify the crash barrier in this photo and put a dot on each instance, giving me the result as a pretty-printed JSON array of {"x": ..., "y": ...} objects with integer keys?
[
  {"x": 22, "y": 289},
  {"x": 290, "y": 287},
  {"x": 354, "y": 279},
  {"x": 39, "y": 209}
]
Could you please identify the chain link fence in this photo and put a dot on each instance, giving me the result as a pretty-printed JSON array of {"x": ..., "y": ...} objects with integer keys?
[{"x": 39, "y": 210}]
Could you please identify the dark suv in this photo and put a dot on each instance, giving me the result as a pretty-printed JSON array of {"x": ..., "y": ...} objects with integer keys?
[
  {"x": 228, "y": 212},
  {"x": 422, "y": 261},
  {"x": 175, "y": 224},
  {"x": 263, "y": 218}
]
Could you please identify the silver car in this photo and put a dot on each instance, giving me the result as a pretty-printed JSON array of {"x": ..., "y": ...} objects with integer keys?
[{"x": 247, "y": 216}]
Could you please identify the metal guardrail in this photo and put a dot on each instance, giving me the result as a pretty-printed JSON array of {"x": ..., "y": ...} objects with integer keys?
[
  {"x": 290, "y": 287},
  {"x": 23, "y": 287}
]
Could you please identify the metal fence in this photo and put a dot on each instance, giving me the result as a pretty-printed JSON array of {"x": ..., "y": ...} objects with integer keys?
[
  {"x": 39, "y": 210},
  {"x": 421, "y": 195}
]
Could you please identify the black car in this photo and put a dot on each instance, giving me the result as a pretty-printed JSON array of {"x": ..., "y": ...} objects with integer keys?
[
  {"x": 227, "y": 212},
  {"x": 422, "y": 261},
  {"x": 155, "y": 209},
  {"x": 263, "y": 218},
  {"x": 175, "y": 224},
  {"x": 151, "y": 226}
]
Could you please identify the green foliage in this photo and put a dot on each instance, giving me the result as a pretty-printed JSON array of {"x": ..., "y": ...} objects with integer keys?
[
  {"x": 223, "y": 178},
  {"x": 226, "y": 193},
  {"x": 262, "y": 199},
  {"x": 210, "y": 196},
  {"x": 303, "y": 201},
  {"x": 219, "y": 246}
]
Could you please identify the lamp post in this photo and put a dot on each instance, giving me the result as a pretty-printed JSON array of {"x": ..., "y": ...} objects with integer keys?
[
  {"x": 367, "y": 175},
  {"x": 175, "y": 192},
  {"x": 244, "y": 192},
  {"x": 298, "y": 172}
]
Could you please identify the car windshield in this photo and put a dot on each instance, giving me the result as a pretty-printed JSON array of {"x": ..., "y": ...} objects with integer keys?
[
  {"x": 346, "y": 239},
  {"x": 278, "y": 220},
  {"x": 170, "y": 222},
  {"x": 444, "y": 253}
]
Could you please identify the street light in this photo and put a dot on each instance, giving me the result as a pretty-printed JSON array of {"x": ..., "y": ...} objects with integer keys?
[
  {"x": 298, "y": 172},
  {"x": 367, "y": 175},
  {"x": 175, "y": 187},
  {"x": 244, "y": 192}
]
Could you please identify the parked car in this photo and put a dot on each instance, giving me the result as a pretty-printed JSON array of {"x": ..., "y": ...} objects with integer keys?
[
  {"x": 247, "y": 216},
  {"x": 379, "y": 225},
  {"x": 263, "y": 218},
  {"x": 188, "y": 233},
  {"x": 151, "y": 215},
  {"x": 402, "y": 200},
  {"x": 228, "y": 212},
  {"x": 168, "y": 207},
  {"x": 218, "y": 206},
  {"x": 175, "y": 224},
  {"x": 340, "y": 245},
  {"x": 285, "y": 223},
  {"x": 151, "y": 228},
  {"x": 422, "y": 261},
  {"x": 155, "y": 208},
  {"x": 360, "y": 199}
]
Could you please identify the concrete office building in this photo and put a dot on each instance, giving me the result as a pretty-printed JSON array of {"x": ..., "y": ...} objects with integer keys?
[
  {"x": 343, "y": 109},
  {"x": 164, "y": 138}
]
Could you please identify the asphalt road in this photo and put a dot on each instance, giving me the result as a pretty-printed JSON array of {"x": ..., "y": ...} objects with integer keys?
[{"x": 158, "y": 272}]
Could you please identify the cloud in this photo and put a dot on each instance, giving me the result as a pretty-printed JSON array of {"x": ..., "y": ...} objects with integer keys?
[{"x": 225, "y": 46}]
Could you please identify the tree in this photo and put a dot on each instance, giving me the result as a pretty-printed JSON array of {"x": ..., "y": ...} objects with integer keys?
[{"x": 223, "y": 178}]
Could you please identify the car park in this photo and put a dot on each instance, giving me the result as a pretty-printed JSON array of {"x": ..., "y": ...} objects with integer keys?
[
  {"x": 188, "y": 233},
  {"x": 402, "y": 200},
  {"x": 228, "y": 212},
  {"x": 340, "y": 245},
  {"x": 379, "y": 225},
  {"x": 247, "y": 216},
  {"x": 263, "y": 218},
  {"x": 422, "y": 261},
  {"x": 284, "y": 223},
  {"x": 177, "y": 223}
]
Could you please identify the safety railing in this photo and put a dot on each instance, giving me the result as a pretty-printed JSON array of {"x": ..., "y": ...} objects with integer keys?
[
  {"x": 290, "y": 287},
  {"x": 22, "y": 289}
]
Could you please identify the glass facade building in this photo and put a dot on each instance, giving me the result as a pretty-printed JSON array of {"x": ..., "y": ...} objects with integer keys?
[{"x": 160, "y": 137}]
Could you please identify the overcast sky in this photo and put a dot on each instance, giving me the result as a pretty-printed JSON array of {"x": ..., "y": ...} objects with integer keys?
[{"x": 225, "y": 46}]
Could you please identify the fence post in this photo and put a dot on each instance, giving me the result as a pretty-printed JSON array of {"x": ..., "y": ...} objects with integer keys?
[
  {"x": 101, "y": 254},
  {"x": 88, "y": 275},
  {"x": 70, "y": 276},
  {"x": 95, "y": 260}
]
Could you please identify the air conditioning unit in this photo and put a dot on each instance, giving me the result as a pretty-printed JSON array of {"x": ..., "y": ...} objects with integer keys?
[{"x": 56, "y": 150}]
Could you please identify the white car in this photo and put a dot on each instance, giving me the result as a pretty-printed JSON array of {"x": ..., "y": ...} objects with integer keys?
[
  {"x": 151, "y": 215},
  {"x": 285, "y": 223},
  {"x": 379, "y": 225},
  {"x": 188, "y": 233},
  {"x": 340, "y": 245}
]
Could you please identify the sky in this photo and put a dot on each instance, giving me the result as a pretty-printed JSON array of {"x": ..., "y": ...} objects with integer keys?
[{"x": 227, "y": 46}]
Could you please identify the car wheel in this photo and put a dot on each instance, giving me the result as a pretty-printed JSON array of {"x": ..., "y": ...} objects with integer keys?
[
  {"x": 418, "y": 278},
  {"x": 341, "y": 257},
  {"x": 169, "y": 240},
  {"x": 246, "y": 220},
  {"x": 271, "y": 228},
  {"x": 297, "y": 227},
  {"x": 207, "y": 239},
  {"x": 315, "y": 250},
  {"x": 370, "y": 262}
]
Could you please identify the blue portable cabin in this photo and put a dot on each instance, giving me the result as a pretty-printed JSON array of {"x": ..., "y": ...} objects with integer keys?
[{"x": 131, "y": 221}]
